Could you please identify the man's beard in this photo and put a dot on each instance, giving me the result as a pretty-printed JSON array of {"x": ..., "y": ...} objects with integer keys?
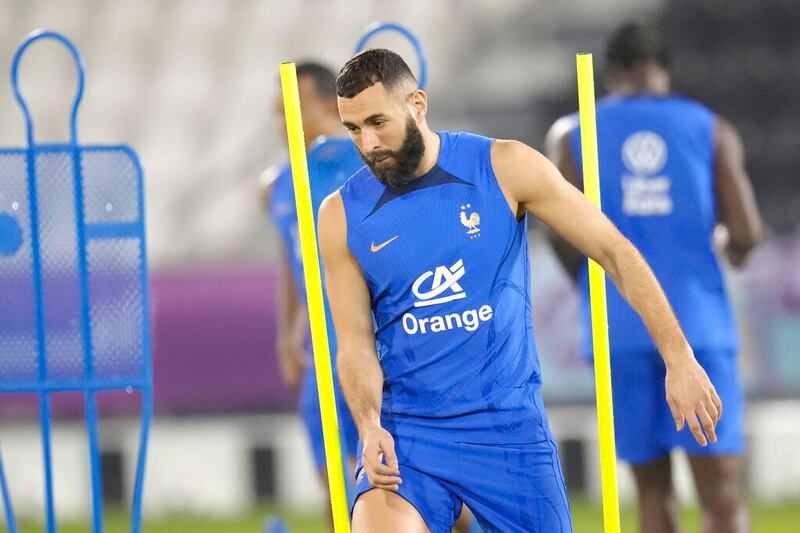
[{"x": 406, "y": 159}]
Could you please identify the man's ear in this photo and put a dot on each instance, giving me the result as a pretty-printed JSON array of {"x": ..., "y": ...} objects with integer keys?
[{"x": 419, "y": 104}]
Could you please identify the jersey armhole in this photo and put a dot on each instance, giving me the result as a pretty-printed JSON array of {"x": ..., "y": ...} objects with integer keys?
[
  {"x": 347, "y": 220},
  {"x": 498, "y": 189},
  {"x": 349, "y": 240}
]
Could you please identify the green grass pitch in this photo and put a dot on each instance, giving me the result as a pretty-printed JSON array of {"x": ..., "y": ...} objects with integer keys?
[{"x": 587, "y": 517}]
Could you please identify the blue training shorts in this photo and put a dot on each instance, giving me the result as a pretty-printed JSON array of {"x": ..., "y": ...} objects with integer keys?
[
  {"x": 644, "y": 427},
  {"x": 508, "y": 487},
  {"x": 312, "y": 420}
]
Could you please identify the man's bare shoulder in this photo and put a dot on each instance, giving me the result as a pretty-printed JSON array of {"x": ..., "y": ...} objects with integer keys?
[
  {"x": 509, "y": 151},
  {"x": 331, "y": 210},
  {"x": 266, "y": 181},
  {"x": 559, "y": 132},
  {"x": 725, "y": 132},
  {"x": 507, "y": 156}
]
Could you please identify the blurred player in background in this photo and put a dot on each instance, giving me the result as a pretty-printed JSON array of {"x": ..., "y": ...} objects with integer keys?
[
  {"x": 430, "y": 239},
  {"x": 331, "y": 160},
  {"x": 671, "y": 171}
]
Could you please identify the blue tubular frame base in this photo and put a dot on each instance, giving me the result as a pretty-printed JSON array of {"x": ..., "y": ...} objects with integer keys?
[{"x": 11, "y": 522}]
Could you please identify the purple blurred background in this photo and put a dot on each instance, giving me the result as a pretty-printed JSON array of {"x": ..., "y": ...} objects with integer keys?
[{"x": 213, "y": 337}]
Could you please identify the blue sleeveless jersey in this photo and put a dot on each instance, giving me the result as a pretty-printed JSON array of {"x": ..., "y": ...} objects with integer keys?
[
  {"x": 657, "y": 185},
  {"x": 330, "y": 162},
  {"x": 446, "y": 263}
]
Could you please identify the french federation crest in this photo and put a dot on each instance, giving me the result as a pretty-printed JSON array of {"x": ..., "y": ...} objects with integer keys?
[{"x": 471, "y": 222}]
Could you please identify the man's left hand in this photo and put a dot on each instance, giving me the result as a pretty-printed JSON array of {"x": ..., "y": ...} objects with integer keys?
[{"x": 693, "y": 400}]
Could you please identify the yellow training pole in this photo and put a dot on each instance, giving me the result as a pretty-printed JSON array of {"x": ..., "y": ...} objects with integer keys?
[
  {"x": 316, "y": 306},
  {"x": 597, "y": 294}
]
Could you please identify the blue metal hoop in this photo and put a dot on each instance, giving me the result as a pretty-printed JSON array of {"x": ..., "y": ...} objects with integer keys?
[
  {"x": 377, "y": 27},
  {"x": 29, "y": 40}
]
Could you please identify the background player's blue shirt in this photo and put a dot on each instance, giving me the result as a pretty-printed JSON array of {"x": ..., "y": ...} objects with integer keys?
[
  {"x": 446, "y": 264},
  {"x": 657, "y": 185},
  {"x": 330, "y": 162}
]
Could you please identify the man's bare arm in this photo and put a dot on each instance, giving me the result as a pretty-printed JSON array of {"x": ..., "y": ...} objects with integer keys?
[
  {"x": 532, "y": 183},
  {"x": 292, "y": 326},
  {"x": 292, "y": 319},
  {"x": 559, "y": 151},
  {"x": 737, "y": 209},
  {"x": 360, "y": 373}
]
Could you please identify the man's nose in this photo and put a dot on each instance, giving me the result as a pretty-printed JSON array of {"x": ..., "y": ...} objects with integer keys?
[{"x": 370, "y": 140}]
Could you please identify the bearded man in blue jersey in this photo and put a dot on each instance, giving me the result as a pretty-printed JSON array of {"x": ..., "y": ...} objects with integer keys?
[
  {"x": 671, "y": 172},
  {"x": 332, "y": 158},
  {"x": 429, "y": 240}
]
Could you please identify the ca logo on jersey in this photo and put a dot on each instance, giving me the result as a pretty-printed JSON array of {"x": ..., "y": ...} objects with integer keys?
[
  {"x": 445, "y": 280},
  {"x": 439, "y": 286},
  {"x": 643, "y": 192}
]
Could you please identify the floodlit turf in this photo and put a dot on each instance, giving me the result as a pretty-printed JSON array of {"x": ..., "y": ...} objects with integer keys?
[
  {"x": 587, "y": 517},
  {"x": 766, "y": 519}
]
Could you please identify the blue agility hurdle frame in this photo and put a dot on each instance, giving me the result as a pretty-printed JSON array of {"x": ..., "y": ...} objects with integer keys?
[{"x": 95, "y": 301}]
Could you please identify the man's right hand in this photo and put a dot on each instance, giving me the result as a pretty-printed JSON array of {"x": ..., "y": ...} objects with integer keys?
[
  {"x": 379, "y": 459},
  {"x": 293, "y": 364}
]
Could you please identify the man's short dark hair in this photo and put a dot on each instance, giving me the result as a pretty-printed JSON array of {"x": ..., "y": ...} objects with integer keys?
[
  {"x": 634, "y": 43},
  {"x": 324, "y": 78},
  {"x": 377, "y": 65}
]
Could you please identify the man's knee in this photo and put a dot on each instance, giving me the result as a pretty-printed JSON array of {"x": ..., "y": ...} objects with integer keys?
[
  {"x": 386, "y": 511},
  {"x": 718, "y": 480},
  {"x": 727, "y": 517},
  {"x": 725, "y": 509},
  {"x": 654, "y": 478},
  {"x": 720, "y": 491}
]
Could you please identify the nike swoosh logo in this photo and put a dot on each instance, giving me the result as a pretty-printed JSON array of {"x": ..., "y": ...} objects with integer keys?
[{"x": 375, "y": 248}]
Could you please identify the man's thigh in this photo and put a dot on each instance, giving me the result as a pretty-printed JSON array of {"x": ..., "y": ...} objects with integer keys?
[
  {"x": 514, "y": 487},
  {"x": 422, "y": 489},
  {"x": 386, "y": 511}
]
